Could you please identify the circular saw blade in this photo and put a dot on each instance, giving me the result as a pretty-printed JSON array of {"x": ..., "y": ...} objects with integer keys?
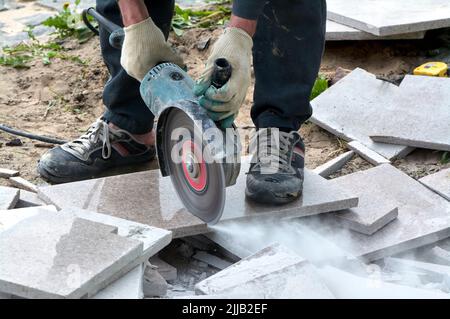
[{"x": 198, "y": 180}]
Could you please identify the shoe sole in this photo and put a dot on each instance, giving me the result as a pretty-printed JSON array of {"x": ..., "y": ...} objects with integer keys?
[
  {"x": 270, "y": 198},
  {"x": 64, "y": 179}
]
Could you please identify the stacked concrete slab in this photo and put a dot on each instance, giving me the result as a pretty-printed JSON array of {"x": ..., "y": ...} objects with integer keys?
[{"x": 73, "y": 254}]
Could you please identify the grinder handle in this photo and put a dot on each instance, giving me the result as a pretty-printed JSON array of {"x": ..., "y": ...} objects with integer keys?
[
  {"x": 221, "y": 73},
  {"x": 117, "y": 35}
]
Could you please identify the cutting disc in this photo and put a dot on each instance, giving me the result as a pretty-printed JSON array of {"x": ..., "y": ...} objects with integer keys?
[{"x": 198, "y": 180}]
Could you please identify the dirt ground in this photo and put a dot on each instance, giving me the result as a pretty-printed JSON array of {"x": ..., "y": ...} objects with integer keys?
[{"x": 64, "y": 98}]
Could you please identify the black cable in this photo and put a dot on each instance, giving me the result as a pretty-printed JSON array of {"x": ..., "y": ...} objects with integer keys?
[{"x": 41, "y": 138}]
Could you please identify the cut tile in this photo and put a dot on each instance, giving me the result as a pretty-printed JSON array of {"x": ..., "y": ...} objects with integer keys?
[
  {"x": 368, "y": 154},
  {"x": 28, "y": 199},
  {"x": 7, "y": 173},
  {"x": 149, "y": 199},
  {"x": 8, "y": 197},
  {"x": 52, "y": 255},
  {"x": 386, "y": 17},
  {"x": 9, "y": 218},
  {"x": 345, "y": 109},
  {"x": 366, "y": 219},
  {"x": 419, "y": 97},
  {"x": 438, "y": 182},
  {"x": 432, "y": 271},
  {"x": 274, "y": 272},
  {"x": 348, "y": 286},
  {"x": 22, "y": 183},
  {"x": 334, "y": 165},
  {"x": 212, "y": 260},
  {"x": 153, "y": 239},
  {"x": 127, "y": 287},
  {"x": 168, "y": 272},
  {"x": 143, "y": 197},
  {"x": 340, "y": 32},
  {"x": 423, "y": 216}
]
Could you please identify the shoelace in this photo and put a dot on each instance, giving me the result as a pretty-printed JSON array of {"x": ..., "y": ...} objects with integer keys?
[
  {"x": 281, "y": 159},
  {"x": 98, "y": 130}
]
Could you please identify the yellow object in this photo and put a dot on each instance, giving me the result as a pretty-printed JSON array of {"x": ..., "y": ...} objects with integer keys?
[{"x": 438, "y": 69}]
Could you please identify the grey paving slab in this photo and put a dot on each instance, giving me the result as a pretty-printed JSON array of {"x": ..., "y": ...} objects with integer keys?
[
  {"x": 421, "y": 117},
  {"x": 347, "y": 107},
  {"x": 127, "y": 287},
  {"x": 8, "y": 197},
  {"x": 35, "y": 19},
  {"x": 340, "y": 32},
  {"x": 6, "y": 173},
  {"x": 28, "y": 199},
  {"x": 439, "y": 182},
  {"x": 423, "y": 216},
  {"x": 10, "y": 217},
  {"x": 52, "y": 255},
  {"x": 149, "y": 199},
  {"x": 274, "y": 272},
  {"x": 345, "y": 285},
  {"x": 168, "y": 272},
  {"x": 368, "y": 154},
  {"x": 432, "y": 271},
  {"x": 334, "y": 165},
  {"x": 22, "y": 183},
  {"x": 386, "y": 17},
  {"x": 143, "y": 197}
]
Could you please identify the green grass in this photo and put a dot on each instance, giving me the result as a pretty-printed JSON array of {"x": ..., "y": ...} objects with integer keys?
[
  {"x": 187, "y": 18},
  {"x": 67, "y": 23},
  {"x": 320, "y": 86}
]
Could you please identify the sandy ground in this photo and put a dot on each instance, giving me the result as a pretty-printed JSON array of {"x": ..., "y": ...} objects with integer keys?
[{"x": 64, "y": 98}]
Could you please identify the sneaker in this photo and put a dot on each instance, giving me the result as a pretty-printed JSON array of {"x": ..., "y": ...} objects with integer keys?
[
  {"x": 276, "y": 177},
  {"x": 92, "y": 154}
]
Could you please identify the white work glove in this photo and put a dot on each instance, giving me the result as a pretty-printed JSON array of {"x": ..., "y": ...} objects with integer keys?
[
  {"x": 235, "y": 45},
  {"x": 144, "y": 47}
]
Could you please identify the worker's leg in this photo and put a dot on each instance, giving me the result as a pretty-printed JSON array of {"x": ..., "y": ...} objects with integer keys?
[
  {"x": 123, "y": 136},
  {"x": 125, "y": 107},
  {"x": 288, "y": 47}
]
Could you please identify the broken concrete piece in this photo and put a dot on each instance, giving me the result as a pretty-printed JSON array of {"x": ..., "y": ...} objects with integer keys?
[
  {"x": 7, "y": 173},
  {"x": 8, "y": 197},
  {"x": 274, "y": 272},
  {"x": 68, "y": 256},
  {"x": 423, "y": 216},
  {"x": 212, "y": 260},
  {"x": 438, "y": 182},
  {"x": 28, "y": 199},
  {"x": 365, "y": 219},
  {"x": 340, "y": 32},
  {"x": 154, "y": 283},
  {"x": 168, "y": 272},
  {"x": 348, "y": 286},
  {"x": 404, "y": 125},
  {"x": 385, "y": 17},
  {"x": 334, "y": 165},
  {"x": 368, "y": 154},
  {"x": 346, "y": 108},
  {"x": 149, "y": 199},
  {"x": 128, "y": 287},
  {"x": 22, "y": 183}
]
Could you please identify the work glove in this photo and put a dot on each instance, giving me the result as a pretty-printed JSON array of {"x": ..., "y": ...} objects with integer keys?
[
  {"x": 235, "y": 45},
  {"x": 144, "y": 47}
]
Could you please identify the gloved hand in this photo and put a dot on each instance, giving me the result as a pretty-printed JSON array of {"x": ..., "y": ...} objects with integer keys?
[
  {"x": 144, "y": 47},
  {"x": 223, "y": 104}
]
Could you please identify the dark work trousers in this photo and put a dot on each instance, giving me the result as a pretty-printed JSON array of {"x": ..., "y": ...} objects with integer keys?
[{"x": 288, "y": 47}]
